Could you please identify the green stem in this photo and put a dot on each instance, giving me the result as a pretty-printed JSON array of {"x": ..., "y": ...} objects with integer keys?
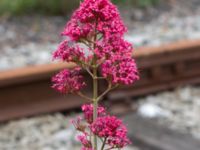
[
  {"x": 95, "y": 86},
  {"x": 90, "y": 136},
  {"x": 105, "y": 92},
  {"x": 84, "y": 96},
  {"x": 104, "y": 143},
  {"x": 95, "y": 103}
]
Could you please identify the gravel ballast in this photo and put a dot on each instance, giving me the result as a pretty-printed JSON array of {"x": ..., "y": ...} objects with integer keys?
[
  {"x": 178, "y": 110},
  {"x": 47, "y": 132}
]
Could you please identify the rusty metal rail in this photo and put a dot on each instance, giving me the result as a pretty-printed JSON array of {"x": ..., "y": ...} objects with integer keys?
[
  {"x": 27, "y": 91},
  {"x": 164, "y": 67}
]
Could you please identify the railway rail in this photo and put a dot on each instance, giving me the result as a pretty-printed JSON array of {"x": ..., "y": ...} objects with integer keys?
[{"x": 27, "y": 91}]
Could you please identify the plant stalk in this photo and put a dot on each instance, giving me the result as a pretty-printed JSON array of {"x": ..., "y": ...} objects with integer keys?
[
  {"x": 95, "y": 103},
  {"x": 95, "y": 88},
  {"x": 104, "y": 143}
]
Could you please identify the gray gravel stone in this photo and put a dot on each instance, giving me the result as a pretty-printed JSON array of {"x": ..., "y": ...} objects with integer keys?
[
  {"x": 181, "y": 108},
  {"x": 48, "y": 132}
]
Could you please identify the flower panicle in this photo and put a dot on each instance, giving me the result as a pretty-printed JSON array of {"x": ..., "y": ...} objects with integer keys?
[
  {"x": 68, "y": 81},
  {"x": 100, "y": 19},
  {"x": 94, "y": 41},
  {"x": 106, "y": 127}
]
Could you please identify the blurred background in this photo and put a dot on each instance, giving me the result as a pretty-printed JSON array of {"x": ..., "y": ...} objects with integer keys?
[
  {"x": 30, "y": 32},
  {"x": 30, "y": 28}
]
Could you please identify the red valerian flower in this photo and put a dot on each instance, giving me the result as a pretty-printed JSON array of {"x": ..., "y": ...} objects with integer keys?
[
  {"x": 94, "y": 16},
  {"x": 119, "y": 139},
  {"x": 105, "y": 126},
  {"x": 68, "y": 81},
  {"x": 95, "y": 41},
  {"x": 90, "y": 10},
  {"x": 88, "y": 112},
  {"x": 112, "y": 129},
  {"x": 112, "y": 46},
  {"x": 70, "y": 52},
  {"x": 120, "y": 70},
  {"x": 112, "y": 27},
  {"x": 87, "y": 145},
  {"x": 77, "y": 30}
]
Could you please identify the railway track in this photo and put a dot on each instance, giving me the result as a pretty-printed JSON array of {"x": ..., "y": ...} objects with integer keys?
[{"x": 26, "y": 91}]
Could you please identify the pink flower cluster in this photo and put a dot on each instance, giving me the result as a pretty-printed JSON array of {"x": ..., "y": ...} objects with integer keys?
[
  {"x": 95, "y": 41},
  {"x": 99, "y": 15},
  {"x": 112, "y": 129},
  {"x": 88, "y": 112},
  {"x": 120, "y": 70},
  {"x": 69, "y": 51},
  {"x": 119, "y": 140},
  {"x": 114, "y": 45},
  {"x": 98, "y": 25},
  {"x": 87, "y": 145},
  {"x": 68, "y": 81},
  {"x": 106, "y": 127}
]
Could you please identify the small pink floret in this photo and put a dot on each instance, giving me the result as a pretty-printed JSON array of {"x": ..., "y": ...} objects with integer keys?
[
  {"x": 68, "y": 81},
  {"x": 87, "y": 145},
  {"x": 112, "y": 129},
  {"x": 120, "y": 70},
  {"x": 70, "y": 52},
  {"x": 88, "y": 112}
]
